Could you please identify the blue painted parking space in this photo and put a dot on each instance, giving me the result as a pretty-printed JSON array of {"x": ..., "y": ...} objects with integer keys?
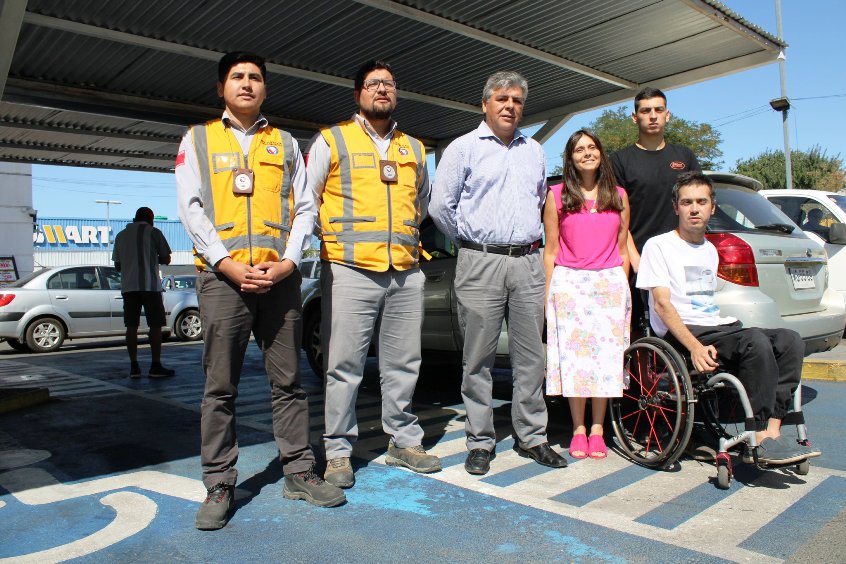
[{"x": 109, "y": 470}]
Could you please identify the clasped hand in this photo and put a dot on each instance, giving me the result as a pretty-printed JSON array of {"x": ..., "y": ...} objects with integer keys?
[{"x": 257, "y": 279}]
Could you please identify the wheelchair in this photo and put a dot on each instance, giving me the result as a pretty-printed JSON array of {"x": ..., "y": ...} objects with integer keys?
[{"x": 655, "y": 417}]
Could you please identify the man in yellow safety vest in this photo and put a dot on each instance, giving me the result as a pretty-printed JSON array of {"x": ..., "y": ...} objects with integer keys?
[
  {"x": 243, "y": 199},
  {"x": 372, "y": 188}
]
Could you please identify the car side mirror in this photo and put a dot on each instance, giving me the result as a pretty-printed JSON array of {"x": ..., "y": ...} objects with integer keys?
[{"x": 837, "y": 233}]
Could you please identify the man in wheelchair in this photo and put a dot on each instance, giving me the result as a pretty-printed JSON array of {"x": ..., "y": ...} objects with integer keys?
[{"x": 679, "y": 270}]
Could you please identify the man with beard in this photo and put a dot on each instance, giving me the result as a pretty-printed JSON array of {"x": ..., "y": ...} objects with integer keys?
[{"x": 372, "y": 187}]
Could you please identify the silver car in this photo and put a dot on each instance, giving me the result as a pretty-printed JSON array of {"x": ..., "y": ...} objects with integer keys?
[
  {"x": 770, "y": 275},
  {"x": 40, "y": 311}
]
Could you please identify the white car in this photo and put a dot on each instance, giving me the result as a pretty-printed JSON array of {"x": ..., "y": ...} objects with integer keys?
[
  {"x": 40, "y": 311},
  {"x": 826, "y": 225}
]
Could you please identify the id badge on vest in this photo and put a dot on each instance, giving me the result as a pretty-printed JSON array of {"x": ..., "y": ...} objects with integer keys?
[
  {"x": 388, "y": 170},
  {"x": 242, "y": 181}
]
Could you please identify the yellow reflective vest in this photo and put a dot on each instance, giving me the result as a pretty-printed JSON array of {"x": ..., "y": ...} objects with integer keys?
[
  {"x": 255, "y": 227},
  {"x": 366, "y": 222}
]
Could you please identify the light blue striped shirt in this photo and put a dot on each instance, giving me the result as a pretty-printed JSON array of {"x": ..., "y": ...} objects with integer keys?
[{"x": 488, "y": 192}]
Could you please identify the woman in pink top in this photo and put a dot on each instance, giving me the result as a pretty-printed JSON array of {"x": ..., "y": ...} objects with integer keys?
[{"x": 588, "y": 305}]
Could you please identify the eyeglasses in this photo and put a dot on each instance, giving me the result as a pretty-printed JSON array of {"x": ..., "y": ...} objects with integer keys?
[{"x": 372, "y": 84}]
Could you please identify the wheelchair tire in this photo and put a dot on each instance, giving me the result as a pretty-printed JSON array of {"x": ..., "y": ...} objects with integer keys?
[
  {"x": 723, "y": 477},
  {"x": 653, "y": 420}
]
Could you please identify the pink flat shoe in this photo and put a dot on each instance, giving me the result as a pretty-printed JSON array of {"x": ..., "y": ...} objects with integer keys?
[
  {"x": 579, "y": 443},
  {"x": 596, "y": 444}
]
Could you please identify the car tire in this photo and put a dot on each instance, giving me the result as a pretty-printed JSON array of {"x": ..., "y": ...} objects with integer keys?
[
  {"x": 18, "y": 345},
  {"x": 312, "y": 343},
  {"x": 45, "y": 335},
  {"x": 188, "y": 326}
]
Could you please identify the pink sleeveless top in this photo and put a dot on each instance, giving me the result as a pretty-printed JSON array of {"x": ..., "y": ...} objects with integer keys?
[{"x": 587, "y": 240}]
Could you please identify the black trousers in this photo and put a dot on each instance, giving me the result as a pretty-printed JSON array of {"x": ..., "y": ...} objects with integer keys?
[
  {"x": 767, "y": 361},
  {"x": 275, "y": 320}
]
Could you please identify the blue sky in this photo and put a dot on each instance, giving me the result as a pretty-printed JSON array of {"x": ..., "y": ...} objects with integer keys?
[{"x": 738, "y": 105}]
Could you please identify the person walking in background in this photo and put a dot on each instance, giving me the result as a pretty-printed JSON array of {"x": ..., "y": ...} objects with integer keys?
[
  {"x": 488, "y": 197},
  {"x": 243, "y": 199},
  {"x": 588, "y": 303},
  {"x": 370, "y": 182},
  {"x": 139, "y": 250}
]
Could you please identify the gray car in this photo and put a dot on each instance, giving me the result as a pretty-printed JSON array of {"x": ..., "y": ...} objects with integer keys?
[
  {"x": 40, "y": 311},
  {"x": 770, "y": 275}
]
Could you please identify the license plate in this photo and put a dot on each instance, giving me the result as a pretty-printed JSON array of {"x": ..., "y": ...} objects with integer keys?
[{"x": 803, "y": 278}]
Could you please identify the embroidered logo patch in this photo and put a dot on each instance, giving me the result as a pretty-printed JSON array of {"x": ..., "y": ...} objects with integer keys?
[
  {"x": 403, "y": 151},
  {"x": 272, "y": 150},
  {"x": 677, "y": 165}
]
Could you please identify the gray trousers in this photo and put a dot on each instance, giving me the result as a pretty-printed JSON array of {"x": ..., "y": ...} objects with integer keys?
[
  {"x": 275, "y": 319},
  {"x": 491, "y": 288},
  {"x": 355, "y": 304}
]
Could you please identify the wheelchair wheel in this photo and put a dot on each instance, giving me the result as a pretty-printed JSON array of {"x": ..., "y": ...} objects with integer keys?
[
  {"x": 653, "y": 419},
  {"x": 723, "y": 477}
]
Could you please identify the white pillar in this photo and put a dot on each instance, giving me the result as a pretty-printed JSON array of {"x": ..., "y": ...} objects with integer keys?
[{"x": 16, "y": 215}]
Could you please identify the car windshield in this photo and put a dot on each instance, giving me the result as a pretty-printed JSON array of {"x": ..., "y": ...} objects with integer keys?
[
  {"x": 839, "y": 200},
  {"x": 20, "y": 283},
  {"x": 741, "y": 209}
]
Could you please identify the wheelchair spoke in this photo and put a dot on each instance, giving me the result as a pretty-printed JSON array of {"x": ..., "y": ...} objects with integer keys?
[{"x": 651, "y": 420}]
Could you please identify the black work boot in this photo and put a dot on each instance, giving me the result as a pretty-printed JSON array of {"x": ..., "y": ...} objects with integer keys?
[
  {"x": 214, "y": 512},
  {"x": 312, "y": 488}
]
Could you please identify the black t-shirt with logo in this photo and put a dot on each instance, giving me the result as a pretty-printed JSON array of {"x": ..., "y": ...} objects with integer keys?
[{"x": 648, "y": 177}]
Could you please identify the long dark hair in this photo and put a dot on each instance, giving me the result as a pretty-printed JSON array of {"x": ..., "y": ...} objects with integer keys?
[{"x": 607, "y": 197}]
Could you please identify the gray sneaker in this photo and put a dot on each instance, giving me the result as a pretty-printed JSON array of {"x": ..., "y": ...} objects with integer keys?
[
  {"x": 414, "y": 458},
  {"x": 339, "y": 472},
  {"x": 312, "y": 488},
  {"x": 770, "y": 451},
  {"x": 790, "y": 442},
  {"x": 214, "y": 512}
]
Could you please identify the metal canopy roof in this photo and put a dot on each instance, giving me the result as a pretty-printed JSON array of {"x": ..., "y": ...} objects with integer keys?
[{"x": 109, "y": 83}]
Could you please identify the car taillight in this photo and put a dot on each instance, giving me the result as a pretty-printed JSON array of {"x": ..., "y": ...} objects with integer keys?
[
  {"x": 737, "y": 261},
  {"x": 6, "y": 299}
]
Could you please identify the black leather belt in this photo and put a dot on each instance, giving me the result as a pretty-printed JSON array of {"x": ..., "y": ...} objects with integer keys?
[{"x": 509, "y": 250}]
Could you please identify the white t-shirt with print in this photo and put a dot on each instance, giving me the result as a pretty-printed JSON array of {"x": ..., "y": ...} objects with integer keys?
[{"x": 690, "y": 273}]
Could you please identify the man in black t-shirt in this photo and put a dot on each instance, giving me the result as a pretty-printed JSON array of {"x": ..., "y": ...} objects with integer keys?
[{"x": 648, "y": 170}]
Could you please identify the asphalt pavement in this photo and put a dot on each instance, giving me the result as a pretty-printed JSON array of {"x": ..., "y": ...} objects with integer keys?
[{"x": 108, "y": 470}]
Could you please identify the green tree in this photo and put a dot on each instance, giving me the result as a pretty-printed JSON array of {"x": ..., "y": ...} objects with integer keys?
[
  {"x": 616, "y": 130},
  {"x": 812, "y": 169}
]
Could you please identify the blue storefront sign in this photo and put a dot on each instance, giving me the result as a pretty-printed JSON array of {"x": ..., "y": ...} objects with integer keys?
[{"x": 81, "y": 234}]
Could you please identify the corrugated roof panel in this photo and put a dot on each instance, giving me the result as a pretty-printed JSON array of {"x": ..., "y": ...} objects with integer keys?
[
  {"x": 540, "y": 23},
  {"x": 698, "y": 51},
  {"x": 57, "y": 76}
]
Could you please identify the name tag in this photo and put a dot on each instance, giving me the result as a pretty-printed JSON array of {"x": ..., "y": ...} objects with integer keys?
[
  {"x": 226, "y": 161},
  {"x": 363, "y": 160}
]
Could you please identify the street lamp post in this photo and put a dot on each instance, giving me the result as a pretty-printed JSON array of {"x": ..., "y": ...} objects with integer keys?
[
  {"x": 108, "y": 225},
  {"x": 782, "y": 104}
]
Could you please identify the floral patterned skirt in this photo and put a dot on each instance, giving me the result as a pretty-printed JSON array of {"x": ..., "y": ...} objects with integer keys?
[{"x": 587, "y": 328}]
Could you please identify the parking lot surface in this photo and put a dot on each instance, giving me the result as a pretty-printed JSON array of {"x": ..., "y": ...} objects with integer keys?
[{"x": 108, "y": 470}]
